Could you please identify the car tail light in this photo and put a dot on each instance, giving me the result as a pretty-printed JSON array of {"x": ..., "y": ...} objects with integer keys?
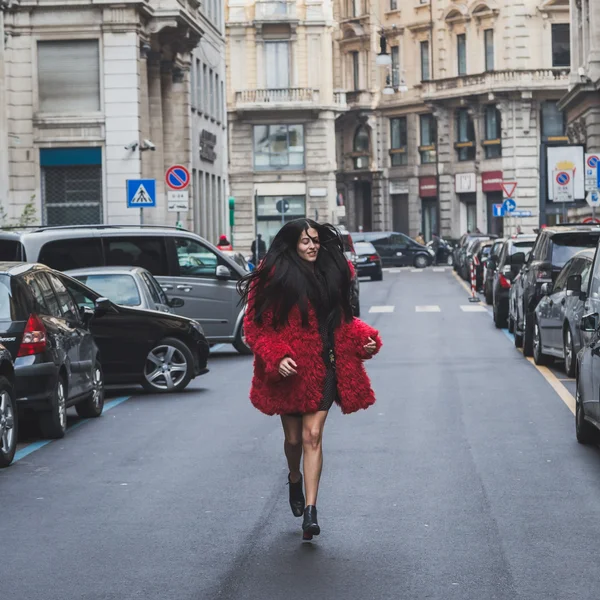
[
  {"x": 34, "y": 337},
  {"x": 374, "y": 257},
  {"x": 504, "y": 283}
]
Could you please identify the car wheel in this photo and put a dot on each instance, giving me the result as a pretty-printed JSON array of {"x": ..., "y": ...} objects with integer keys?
[
  {"x": 585, "y": 432},
  {"x": 528, "y": 327},
  {"x": 499, "y": 321},
  {"x": 93, "y": 405},
  {"x": 569, "y": 353},
  {"x": 8, "y": 423},
  {"x": 169, "y": 367},
  {"x": 240, "y": 342},
  {"x": 539, "y": 358},
  {"x": 53, "y": 422},
  {"x": 511, "y": 325},
  {"x": 378, "y": 276},
  {"x": 489, "y": 297},
  {"x": 421, "y": 261}
]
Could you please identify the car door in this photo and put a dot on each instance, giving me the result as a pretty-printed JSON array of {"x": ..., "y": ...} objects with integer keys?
[
  {"x": 210, "y": 300},
  {"x": 81, "y": 347},
  {"x": 590, "y": 366},
  {"x": 578, "y": 308},
  {"x": 156, "y": 293},
  {"x": 402, "y": 250},
  {"x": 555, "y": 304},
  {"x": 383, "y": 245}
]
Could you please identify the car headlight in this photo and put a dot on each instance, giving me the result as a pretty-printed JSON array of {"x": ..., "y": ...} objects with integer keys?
[{"x": 197, "y": 327}]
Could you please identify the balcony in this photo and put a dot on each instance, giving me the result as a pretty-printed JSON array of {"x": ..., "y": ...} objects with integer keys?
[
  {"x": 288, "y": 99},
  {"x": 275, "y": 11},
  {"x": 360, "y": 99},
  {"x": 496, "y": 81}
]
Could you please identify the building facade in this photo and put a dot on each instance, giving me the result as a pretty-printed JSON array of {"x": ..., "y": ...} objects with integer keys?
[
  {"x": 98, "y": 94},
  {"x": 470, "y": 100},
  {"x": 282, "y": 111}
]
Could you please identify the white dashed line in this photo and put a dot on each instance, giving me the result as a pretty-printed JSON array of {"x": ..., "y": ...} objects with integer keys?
[
  {"x": 428, "y": 309},
  {"x": 473, "y": 308},
  {"x": 381, "y": 309},
  {"x": 439, "y": 269},
  {"x": 395, "y": 270},
  {"x": 417, "y": 270}
]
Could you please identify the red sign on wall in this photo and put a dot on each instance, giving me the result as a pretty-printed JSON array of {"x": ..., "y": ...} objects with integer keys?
[
  {"x": 491, "y": 181},
  {"x": 427, "y": 187}
]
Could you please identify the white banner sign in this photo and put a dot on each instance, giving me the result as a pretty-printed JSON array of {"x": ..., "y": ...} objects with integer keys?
[
  {"x": 465, "y": 183},
  {"x": 569, "y": 159},
  {"x": 178, "y": 201}
]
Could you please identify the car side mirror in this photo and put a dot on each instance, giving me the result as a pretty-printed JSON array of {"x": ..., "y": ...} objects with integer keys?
[
  {"x": 574, "y": 285},
  {"x": 104, "y": 305},
  {"x": 546, "y": 289},
  {"x": 590, "y": 322},
  {"x": 176, "y": 302},
  {"x": 86, "y": 313},
  {"x": 223, "y": 272},
  {"x": 491, "y": 264}
]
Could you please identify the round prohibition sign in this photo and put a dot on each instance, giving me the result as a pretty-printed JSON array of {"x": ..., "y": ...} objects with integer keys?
[
  {"x": 177, "y": 177},
  {"x": 563, "y": 178},
  {"x": 592, "y": 161}
]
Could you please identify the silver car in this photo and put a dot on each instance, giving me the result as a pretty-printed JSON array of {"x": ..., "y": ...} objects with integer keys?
[{"x": 127, "y": 286}]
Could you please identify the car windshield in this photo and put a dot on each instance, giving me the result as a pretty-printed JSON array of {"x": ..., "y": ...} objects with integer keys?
[
  {"x": 364, "y": 248},
  {"x": 121, "y": 289},
  {"x": 517, "y": 247},
  {"x": 564, "y": 247}
]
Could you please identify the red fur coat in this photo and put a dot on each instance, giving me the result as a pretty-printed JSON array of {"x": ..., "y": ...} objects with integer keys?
[{"x": 273, "y": 394}]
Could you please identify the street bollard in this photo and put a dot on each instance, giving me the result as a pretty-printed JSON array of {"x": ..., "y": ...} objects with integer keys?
[{"x": 474, "y": 297}]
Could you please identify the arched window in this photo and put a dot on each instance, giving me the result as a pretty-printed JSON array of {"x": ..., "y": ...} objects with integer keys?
[{"x": 361, "y": 148}]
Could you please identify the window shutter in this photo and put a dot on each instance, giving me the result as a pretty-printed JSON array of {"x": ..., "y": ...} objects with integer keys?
[{"x": 69, "y": 76}]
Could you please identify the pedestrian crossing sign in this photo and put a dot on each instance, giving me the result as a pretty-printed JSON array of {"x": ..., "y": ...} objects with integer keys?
[{"x": 141, "y": 193}]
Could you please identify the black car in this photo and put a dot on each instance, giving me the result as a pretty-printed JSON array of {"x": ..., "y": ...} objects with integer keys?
[
  {"x": 489, "y": 268},
  {"x": 397, "y": 249},
  {"x": 445, "y": 253},
  {"x": 350, "y": 254},
  {"x": 460, "y": 249},
  {"x": 481, "y": 250},
  {"x": 8, "y": 403},
  {"x": 368, "y": 262},
  {"x": 506, "y": 270},
  {"x": 56, "y": 360},
  {"x": 470, "y": 249},
  {"x": 556, "y": 330},
  {"x": 553, "y": 248},
  {"x": 161, "y": 351}
]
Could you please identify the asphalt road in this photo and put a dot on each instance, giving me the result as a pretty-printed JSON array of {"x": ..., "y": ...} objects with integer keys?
[{"x": 464, "y": 481}]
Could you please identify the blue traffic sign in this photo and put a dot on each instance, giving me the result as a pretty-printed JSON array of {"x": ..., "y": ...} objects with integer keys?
[
  {"x": 509, "y": 205},
  {"x": 498, "y": 210},
  {"x": 141, "y": 193},
  {"x": 521, "y": 213},
  {"x": 177, "y": 177}
]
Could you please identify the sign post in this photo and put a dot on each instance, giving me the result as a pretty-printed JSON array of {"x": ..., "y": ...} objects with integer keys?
[
  {"x": 592, "y": 173},
  {"x": 141, "y": 193},
  {"x": 509, "y": 204},
  {"x": 177, "y": 179}
]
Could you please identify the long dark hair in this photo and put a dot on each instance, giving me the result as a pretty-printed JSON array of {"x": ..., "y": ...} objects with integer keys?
[{"x": 284, "y": 280}]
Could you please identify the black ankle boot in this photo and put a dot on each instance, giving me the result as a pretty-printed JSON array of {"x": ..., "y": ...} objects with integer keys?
[
  {"x": 310, "y": 525},
  {"x": 296, "y": 497}
]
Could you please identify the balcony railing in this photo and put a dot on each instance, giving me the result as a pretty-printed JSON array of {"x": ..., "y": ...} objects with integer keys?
[
  {"x": 275, "y": 10},
  {"x": 288, "y": 97},
  {"x": 552, "y": 79}
]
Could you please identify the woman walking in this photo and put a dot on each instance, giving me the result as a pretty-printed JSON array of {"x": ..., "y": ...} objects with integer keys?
[{"x": 308, "y": 348}]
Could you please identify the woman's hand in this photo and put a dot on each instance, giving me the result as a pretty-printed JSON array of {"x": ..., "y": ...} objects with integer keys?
[
  {"x": 370, "y": 346},
  {"x": 287, "y": 367}
]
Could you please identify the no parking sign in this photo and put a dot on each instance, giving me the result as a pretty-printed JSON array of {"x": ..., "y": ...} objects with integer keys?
[
  {"x": 563, "y": 183},
  {"x": 592, "y": 174}
]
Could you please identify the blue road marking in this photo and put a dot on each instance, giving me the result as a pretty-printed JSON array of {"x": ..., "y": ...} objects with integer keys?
[{"x": 30, "y": 448}]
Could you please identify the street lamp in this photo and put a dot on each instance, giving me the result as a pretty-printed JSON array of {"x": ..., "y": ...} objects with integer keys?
[
  {"x": 383, "y": 58},
  {"x": 388, "y": 90},
  {"x": 403, "y": 88}
]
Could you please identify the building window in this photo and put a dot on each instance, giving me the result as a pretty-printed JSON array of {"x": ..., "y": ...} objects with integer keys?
[
  {"x": 488, "y": 35},
  {"x": 465, "y": 135},
  {"x": 278, "y": 147},
  {"x": 399, "y": 142},
  {"x": 553, "y": 122},
  {"x": 361, "y": 147},
  {"x": 395, "y": 66},
  {"x": 277, "y": 65},
  {"x": 425, "y": 61},
  {"x": 461, "y": 53},
  {"x": 493, "y": 132},
  {"x": 427, "y": 149},
  {"x": 69, "y": 76},
  {"x": 561, "y": 45},
  {"x": 393, "y": 4},
  {"x": 270, "y": 217},
  {"x": 198, "y": 90},
  {"x": 71, "y": 186},
  {"x": 223, "y": 103},
  {"x": 356, "y": 71},
  {"x": 211, "y": 83},
  {"x": 205, "y": 97}
]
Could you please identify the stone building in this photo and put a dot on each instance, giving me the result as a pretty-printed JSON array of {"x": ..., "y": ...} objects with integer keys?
[
  {"x": 468, "y": 101},
  {"x": 282, "y": 110},
  {"x": 97, "y": 94}
]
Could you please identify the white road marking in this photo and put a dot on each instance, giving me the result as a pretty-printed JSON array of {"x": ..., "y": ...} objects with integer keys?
[
  {"x": 428, "y": 309},
  {"x": 417, "y": 270},
  {"x": 473, "y": 308},
  {"x": 439, "y": 269},
  {"x": 381, "y": 309},
  {"x": 394, "y": 270}
]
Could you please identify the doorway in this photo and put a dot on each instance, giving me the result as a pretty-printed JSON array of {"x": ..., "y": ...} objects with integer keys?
[
  {"x": 363, "y": 205},
  {"x": 400, "y": 221}
]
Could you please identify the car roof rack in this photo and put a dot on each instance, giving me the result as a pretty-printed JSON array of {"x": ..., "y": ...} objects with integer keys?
[
  {"x": 59, "y": 227},
  {"x": 573, "y": 225}
]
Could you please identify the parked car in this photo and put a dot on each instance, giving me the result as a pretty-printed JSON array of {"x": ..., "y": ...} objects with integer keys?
[
  {"x": 506, "y": 270},
  {"x": 490, "y": 268},
  {"x": 556, "y": 329},
  {"x": 239, "y": 258},
  {"x": 350, "y": 254},
  {"x": 368, "y": 262},
  {"x": 445, "y": 252},
  {"x": 162, "y": 352},
  {"x": 460, "y": 249},
  {"x": 481, "y": 249},
  {"x": 553, "y": 248},
  {"x": 127, "y": 286},
  {"x": 184, "y": 264},
  {"x": 9, "y": 420},
  {"x": 396, "y": 249},
  {"x": 56, "y": 360}
]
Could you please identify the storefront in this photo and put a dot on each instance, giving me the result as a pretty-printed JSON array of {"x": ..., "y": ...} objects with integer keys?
[
  {"x": 491, "y": 185},
  {"x": 465, "y": 186},
  {"x": 272, "y": 212},
  {"x": 398, "y": 191},
  {"x": 429, "y": 214}
]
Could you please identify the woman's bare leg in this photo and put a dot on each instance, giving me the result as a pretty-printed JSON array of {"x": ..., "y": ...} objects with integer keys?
[
  {"x": 292, "y": 446},
  {"x": 312, "y": 436}
]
